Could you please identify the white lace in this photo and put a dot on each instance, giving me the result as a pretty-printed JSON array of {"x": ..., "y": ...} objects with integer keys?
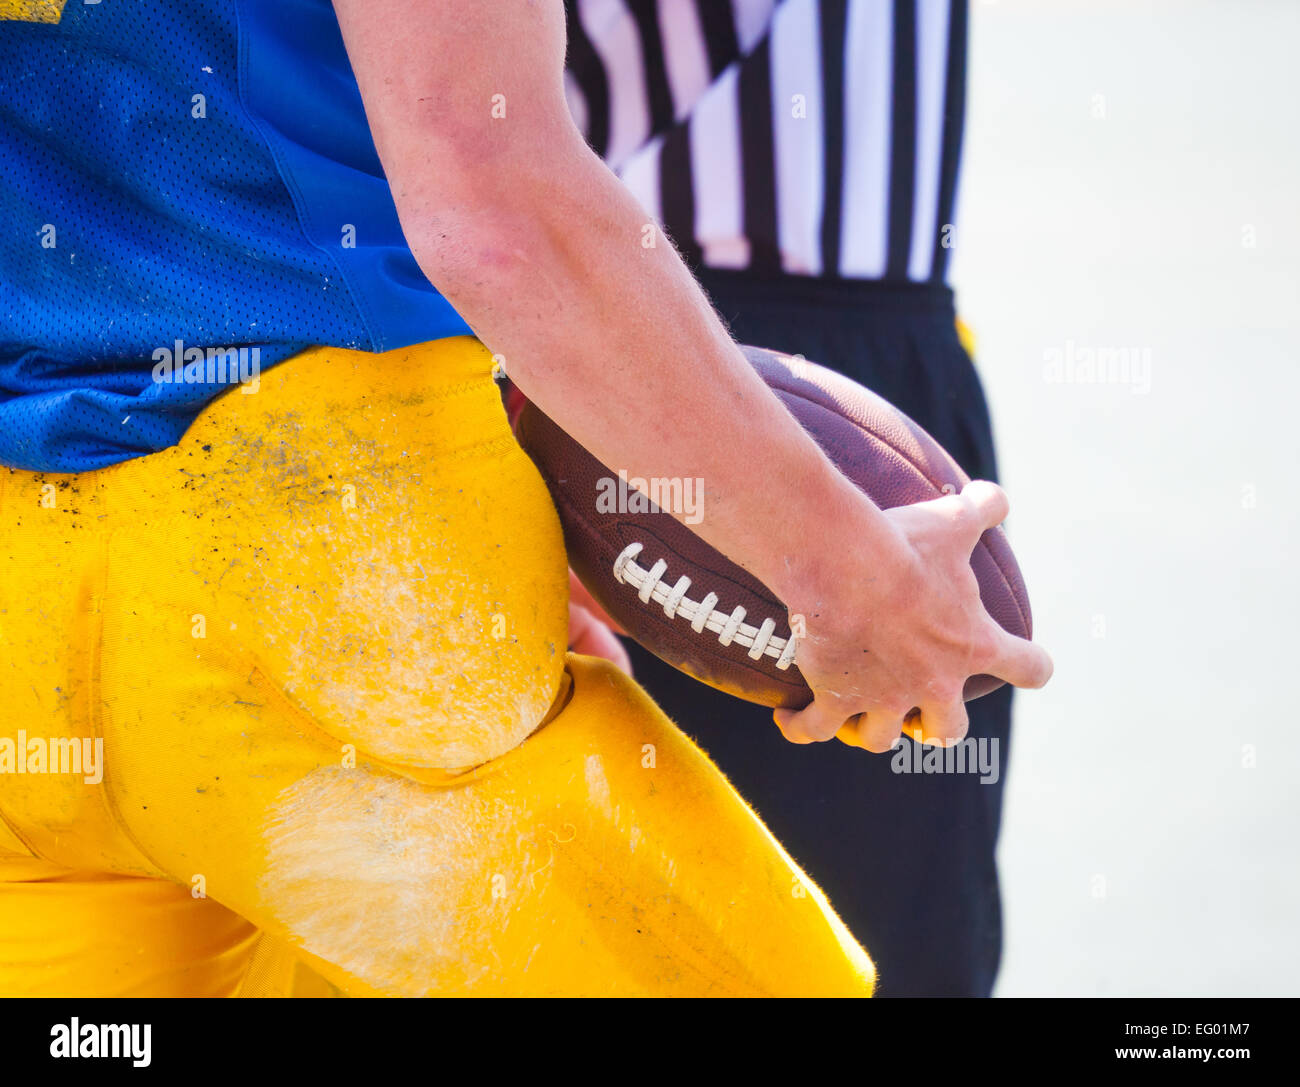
[{"x": 760, "y": 640}]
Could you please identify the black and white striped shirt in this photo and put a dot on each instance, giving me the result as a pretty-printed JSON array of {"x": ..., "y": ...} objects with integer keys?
[{"x": 811, "y": 137}]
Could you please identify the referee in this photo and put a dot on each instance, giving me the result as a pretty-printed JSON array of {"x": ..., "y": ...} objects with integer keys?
[{"x": 803, "y": 156}]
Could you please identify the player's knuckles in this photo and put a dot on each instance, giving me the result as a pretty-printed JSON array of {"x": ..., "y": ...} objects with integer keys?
[
  {"x": 824, "y": 728},
  {"x": 896, "y": 707},
  {"x": 879, "y": 747},
  {"x": 822, "y": 722},
  {"x": 945, "y": 692},
  {"x": 880, "y": 736},
  {"x": 812, "y": 725},
  {"x": 947, "y": 729},
  {"x": 783, "y": 721}
]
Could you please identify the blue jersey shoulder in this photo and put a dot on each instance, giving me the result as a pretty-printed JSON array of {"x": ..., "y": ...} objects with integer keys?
[{"x": 196, "y": 176}]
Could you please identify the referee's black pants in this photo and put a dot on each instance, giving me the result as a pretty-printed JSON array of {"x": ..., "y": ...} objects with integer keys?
[{"x": 906, "y": 859}]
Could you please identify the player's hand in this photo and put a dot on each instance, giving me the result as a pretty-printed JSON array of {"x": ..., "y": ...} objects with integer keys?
[
  {"x": 591, "y": 631},
  {"x": 904, "y": 631}
]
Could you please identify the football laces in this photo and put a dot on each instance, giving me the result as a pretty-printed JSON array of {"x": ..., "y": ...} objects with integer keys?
[{"x": 730, "y": 627}]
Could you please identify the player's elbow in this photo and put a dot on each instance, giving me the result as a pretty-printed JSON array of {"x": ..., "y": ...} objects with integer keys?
[{"x": 493, "y": 221}]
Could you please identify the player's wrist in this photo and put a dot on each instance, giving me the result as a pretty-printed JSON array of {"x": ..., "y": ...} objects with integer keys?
[{"x": 854, "y": 558}]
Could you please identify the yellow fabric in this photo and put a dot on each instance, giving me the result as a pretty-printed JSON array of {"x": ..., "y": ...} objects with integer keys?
[
  {"x": 92, "y": 933},
  {"x": 966, "y": 335},
  {"x": 10, "y": 844},
  {"x": 31, "y": 11},
  {"x": 322, "y": 642}
]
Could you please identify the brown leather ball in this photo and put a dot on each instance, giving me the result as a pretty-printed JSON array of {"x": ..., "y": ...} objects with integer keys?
[{"x": 693, "y": 607}]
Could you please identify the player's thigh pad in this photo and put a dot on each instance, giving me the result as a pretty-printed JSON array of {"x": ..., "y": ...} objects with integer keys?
[{"x": 321, "y": 634}]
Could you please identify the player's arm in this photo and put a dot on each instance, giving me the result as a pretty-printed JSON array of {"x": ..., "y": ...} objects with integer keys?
[{"x": 544, "y": 253}]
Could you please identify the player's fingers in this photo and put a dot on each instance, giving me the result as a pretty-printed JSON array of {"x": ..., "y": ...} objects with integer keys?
[
  {"x": 988, "y": 504},
  {"x": 876, "y": 731},
  {"x": 787, "y": 723},
  {"x": 796, "y": 727},
  {"x": 589, "y": 636},
  {"x": 815, "y": 723},
  {"x": 938, "y": 724},
  {"x": 848, "y": 733},
  {"x": 1021, "y": 663},
  {"x": 979, "y": 506},
  {"x": 579, "y": 595},
  {"x": 854, "y": 733}
]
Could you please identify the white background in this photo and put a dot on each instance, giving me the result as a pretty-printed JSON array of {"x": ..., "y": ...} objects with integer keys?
[{"x": 1140, "y": 855}]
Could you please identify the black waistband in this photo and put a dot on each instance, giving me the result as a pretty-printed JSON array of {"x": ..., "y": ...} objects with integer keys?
[{"x": 813, "y": 291}]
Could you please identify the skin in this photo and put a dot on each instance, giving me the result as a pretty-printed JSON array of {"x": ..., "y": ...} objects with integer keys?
[
  {"x": 542, "y": 250},
  {"x": 590, "y": 632}
]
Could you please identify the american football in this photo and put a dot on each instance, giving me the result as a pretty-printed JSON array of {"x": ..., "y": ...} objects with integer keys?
[{"x": 700, "y": 612}]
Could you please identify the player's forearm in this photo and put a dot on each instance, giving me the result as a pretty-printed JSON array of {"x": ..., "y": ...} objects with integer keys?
[
  {"x": 602, "y": 325},
  {"x": 541, "y": 249}
]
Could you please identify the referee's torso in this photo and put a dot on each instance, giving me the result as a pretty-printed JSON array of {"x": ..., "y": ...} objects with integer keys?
[
  {"x": 803, "y": 155},
  {"x": 806, "y": 137}
]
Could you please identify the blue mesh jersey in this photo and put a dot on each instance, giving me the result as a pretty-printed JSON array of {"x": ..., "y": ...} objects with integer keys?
[{"x": 178, "y": 179}]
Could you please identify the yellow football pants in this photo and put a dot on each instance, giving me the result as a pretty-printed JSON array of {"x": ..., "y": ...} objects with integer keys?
[{"x": 292, "y": 698}]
